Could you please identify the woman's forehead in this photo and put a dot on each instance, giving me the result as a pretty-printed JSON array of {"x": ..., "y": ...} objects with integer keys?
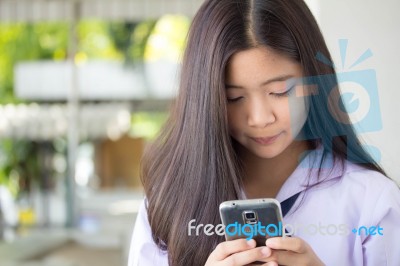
[{"x": 260, "y": 65}]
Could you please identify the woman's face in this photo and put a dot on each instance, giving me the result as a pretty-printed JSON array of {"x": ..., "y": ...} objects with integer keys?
[{"x": 266, "y": 109}]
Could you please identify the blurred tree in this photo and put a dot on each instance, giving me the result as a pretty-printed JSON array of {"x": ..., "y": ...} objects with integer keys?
[
  {"x": 95, "y": 42},
  {"x": 26, "y": 42},
  {"x": 120, "y": 33},
  {"x": 167, "y": 39},
  {"x": 19, "y": 165},
  {"x": 131, "y": 38},
  {"x": 139, "y": 38}
]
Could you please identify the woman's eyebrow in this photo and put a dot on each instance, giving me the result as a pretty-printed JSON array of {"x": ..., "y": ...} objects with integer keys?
[{"x": 275, "y": 79}]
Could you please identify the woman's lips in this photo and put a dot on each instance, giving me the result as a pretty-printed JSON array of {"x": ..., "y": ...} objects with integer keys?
[{"x": 266, "y": 140}]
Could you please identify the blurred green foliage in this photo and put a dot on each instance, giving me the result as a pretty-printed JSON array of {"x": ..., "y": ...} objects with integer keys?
[
  {"x": 167, "y": 39},
  {"x": 49, "y": 41},
  {"x": 131, "y": 39},
  {"x": 147, "y": 125},
  {"x": 95, "y": 41},
  {"x": 27, "y": 42},
  {"x": 17, "y": 165}
]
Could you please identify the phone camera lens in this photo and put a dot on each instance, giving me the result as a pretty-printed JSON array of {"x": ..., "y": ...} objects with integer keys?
[{"x": 250, "y": 215}]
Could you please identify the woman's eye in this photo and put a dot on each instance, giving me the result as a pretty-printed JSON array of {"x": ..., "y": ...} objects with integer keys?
[
  {"x": 231, "y": 100},
  {"x": 282, "y": 94}
]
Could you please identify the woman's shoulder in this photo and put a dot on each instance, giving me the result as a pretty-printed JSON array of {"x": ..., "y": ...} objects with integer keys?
[
  {"x": 373, "y": 194},
  {"x": 358, "y": 176},
  {"x": 355, "y": 178}
]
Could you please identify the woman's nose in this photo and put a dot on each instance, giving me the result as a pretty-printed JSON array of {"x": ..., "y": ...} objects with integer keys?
[{"x": 260, "y": 114}]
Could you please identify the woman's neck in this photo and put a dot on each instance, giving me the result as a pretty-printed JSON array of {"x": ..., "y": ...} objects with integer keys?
[{"x": 263, "y": 178}]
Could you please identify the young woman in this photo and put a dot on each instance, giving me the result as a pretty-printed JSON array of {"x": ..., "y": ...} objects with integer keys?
[{"x": 257, "y": 116}]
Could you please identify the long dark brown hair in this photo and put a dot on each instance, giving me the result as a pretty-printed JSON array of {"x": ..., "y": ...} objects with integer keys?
[{"x": 192, "y": 166}]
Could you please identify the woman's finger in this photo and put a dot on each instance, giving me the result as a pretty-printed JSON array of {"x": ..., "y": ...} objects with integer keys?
[
  {"x": 284, "y": 257},
  {"x": 227, "y": 248},
  {"x": 247, "y": 257},
  {"x": 291, "y": 251},
  {"x": 294, "y": 244}
]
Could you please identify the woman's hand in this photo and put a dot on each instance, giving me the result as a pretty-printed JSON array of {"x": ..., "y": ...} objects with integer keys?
[
  {"x": 237, "y": 252},
  {"x": 291, "y": 251}
]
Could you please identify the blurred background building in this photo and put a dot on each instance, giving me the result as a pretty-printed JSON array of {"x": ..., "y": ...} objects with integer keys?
[{"x": 86, "y": 84}]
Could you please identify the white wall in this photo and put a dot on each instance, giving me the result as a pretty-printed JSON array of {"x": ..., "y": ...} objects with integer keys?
[{"x": 370, "y": 24}]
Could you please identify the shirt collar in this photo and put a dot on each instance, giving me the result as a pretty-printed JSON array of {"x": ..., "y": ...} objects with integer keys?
[{"x": 310, "y": 172}]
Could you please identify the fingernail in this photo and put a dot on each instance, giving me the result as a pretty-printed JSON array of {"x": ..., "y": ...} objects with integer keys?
[
  {"x": 270, "y": 242},
  {"x": 250, "y": 242},
  {"x": 266, "y": 251}
]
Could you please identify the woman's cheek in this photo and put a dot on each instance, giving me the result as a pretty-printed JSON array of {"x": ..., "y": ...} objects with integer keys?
[{"x": 298, "y": 113}]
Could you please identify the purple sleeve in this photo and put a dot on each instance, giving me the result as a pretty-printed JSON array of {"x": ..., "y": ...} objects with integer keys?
[
  {"x": 143, "y": 251},
  {"x": 383, "y": 249}
]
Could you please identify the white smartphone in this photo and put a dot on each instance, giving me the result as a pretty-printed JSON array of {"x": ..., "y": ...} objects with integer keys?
[{"x": 256, "y": 219}]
